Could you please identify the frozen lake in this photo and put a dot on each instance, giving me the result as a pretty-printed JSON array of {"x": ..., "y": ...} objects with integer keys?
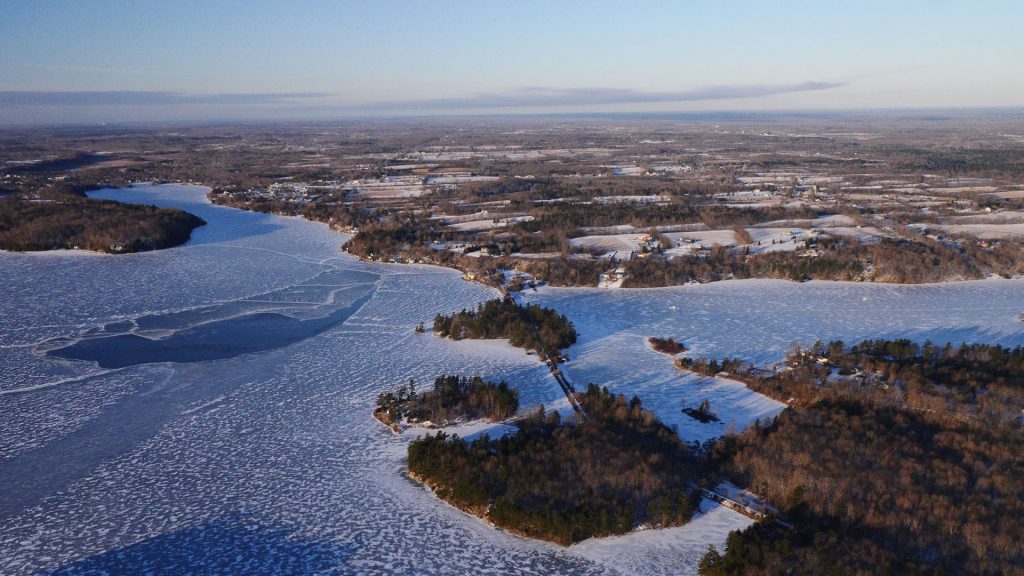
[
  {"x": 207, "y": 406},
  {"x": 758, "y": 321}
]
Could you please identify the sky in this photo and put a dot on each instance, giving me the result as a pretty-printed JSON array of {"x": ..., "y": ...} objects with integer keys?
[{"x": 95, "y": 61}]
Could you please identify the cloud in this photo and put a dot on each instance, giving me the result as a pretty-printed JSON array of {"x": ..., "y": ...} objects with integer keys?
[
  {"x": 55, "y": 107},
  {"x": 144, "y": 98},
  {"x": 532, "y": 97},
  {"x": 528, "y": 97}
]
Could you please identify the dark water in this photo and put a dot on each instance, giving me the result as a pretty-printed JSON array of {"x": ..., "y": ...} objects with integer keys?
[
  {"x": 210, "y": 341},
  {"x": 237, "y": 544}
]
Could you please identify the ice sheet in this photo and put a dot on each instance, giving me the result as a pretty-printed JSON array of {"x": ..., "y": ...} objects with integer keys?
[{"x": 270, "y": 461}]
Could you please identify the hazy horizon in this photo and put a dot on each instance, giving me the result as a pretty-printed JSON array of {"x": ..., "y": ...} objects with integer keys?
[{"x": 108, "y": 61}]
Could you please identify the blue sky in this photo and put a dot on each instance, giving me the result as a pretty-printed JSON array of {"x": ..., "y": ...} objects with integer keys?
[{"x": 139, "y": 60}]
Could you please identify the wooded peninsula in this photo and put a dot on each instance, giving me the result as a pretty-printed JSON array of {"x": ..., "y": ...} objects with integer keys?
[
  {"x": 893, "y": 458},
  {"x": 69, "y": 221},
  {"x": 602, "y": 475}
]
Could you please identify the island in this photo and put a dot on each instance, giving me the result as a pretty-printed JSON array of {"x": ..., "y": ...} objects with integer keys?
[
  {"x": 531, "y": 327},
  {"x": 703, "y": 413},
  {"x": 666, "y": 345},
  {"x": 452, "y": 399}
]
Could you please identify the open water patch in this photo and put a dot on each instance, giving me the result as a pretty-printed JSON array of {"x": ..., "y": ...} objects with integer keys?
[{"x": 216, "y": 340}]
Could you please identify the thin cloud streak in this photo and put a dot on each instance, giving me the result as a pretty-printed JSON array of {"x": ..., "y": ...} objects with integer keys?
[
  {"x": 532, "y": 97},
  {"x": 35, "y": 107},
  {"x": 144, "y": 98}
]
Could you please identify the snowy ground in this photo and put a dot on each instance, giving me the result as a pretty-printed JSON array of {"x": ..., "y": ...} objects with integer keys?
[
  {"x": 777, "y": 239},
  {"x": 609, "y": 243},
  {"x": 271, "y": 462},
  {"x": 490, "y": 223},
  {"x": 823, "y": 222},
  {"x": 637, "y": 199},
  {"x": 985, "y": 231},
  {"x": 706, "y": 238},
  {"x": 400, "y": 187},
  {"x": 865, "y": 234},
  {"x": 624, "y": 362},
  {"x": 1007, "y": 217},
  {"x": 1010, "y": 194}
]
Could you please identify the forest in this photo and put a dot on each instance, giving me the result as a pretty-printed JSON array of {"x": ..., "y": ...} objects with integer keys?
[
  {"x": 893, "y": 458},
  {"x": 531, "y": 326},
  {"x": 606, "y": 474},
  {"x": 68, "y": 221},
  {"x": 452, "y": 398},
  {"x": 573, "y": 216}
]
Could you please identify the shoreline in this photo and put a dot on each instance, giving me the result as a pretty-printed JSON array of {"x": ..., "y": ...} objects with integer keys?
[
  {"x": 350, "y": 234},
  {"x": 64, "y": 222},
  {"x": 415, "y": 480}
]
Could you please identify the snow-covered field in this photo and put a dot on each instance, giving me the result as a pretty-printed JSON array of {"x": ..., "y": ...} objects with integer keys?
[
  {"x": 610, "y": 243},
  {"x": 391, "y": 187},
  {"x": 864, "y": 234},
  {"x": 706, "y": 238},
  {"x": 1006, "y": 217},
  {"x": 459, "y": 179},
  {"x": 1010, "y": 194},
  {"x": 985, "y": 231},
  {"x": 490, "y": 223},
  {"x": 777, "y": 239},
  {"x": 269, "y": 462},
  {"x": 634, "y": 198},
  {"x": 823, "y": 222}
]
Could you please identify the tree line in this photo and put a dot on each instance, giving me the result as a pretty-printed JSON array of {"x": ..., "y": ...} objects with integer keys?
[{"x": 572, "y": 216}]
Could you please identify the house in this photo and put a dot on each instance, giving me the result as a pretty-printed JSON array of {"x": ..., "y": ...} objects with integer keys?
[{"x": 608, "y": 279}]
